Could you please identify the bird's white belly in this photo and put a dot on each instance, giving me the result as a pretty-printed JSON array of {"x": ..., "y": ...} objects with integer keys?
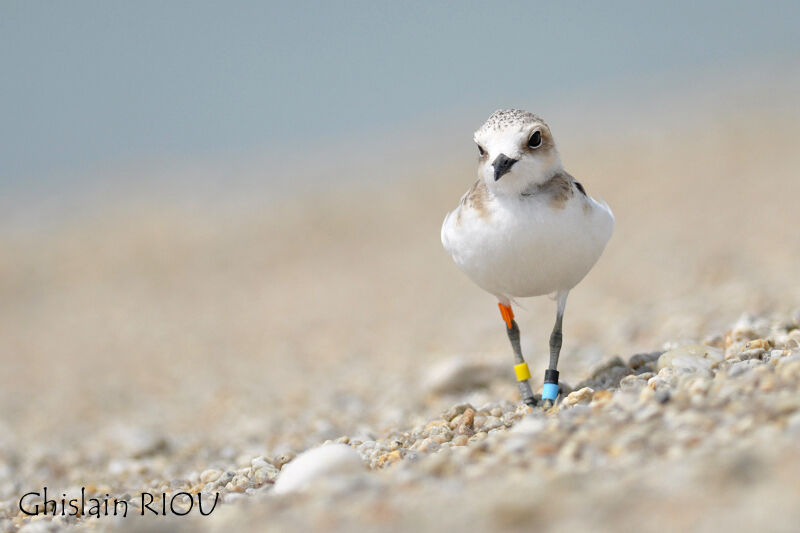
[{"x": 528, "y": 247}]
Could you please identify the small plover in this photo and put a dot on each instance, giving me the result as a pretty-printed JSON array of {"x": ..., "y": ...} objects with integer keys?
[{"x": 526, "y": 228}]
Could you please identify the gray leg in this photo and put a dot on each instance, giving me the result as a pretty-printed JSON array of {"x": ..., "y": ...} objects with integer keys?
[
  {"x": 550, "y": 390},
  {"x": 524, "y": 386},
  {"x": 520, "y": 368}
]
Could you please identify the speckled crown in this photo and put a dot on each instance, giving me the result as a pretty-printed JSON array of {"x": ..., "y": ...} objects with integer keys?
[{"x": 503, "y": 118}]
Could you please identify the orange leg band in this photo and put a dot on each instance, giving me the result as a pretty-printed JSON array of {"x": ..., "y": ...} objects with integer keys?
[{"x": 507, "y": 314}]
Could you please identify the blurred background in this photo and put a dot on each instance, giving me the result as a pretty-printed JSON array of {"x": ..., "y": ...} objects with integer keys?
[{"x": 220, "y": 223}]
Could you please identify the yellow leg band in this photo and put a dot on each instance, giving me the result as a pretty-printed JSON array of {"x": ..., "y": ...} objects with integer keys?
[{"x": 522, "y": 371}]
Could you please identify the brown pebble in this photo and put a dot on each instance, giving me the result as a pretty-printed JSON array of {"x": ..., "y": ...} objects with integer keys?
[
  {"x": 388, "y": 458},
  {"x": 758, "y": 343},
  {"x": 466, "y": 426},
  {"x": 602, "y": 397}
]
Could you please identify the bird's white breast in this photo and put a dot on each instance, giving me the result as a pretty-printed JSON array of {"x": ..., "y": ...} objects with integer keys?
[{"x": 528, "y": 245}]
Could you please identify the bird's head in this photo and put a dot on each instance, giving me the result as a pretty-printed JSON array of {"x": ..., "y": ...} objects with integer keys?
[{"x": 516, "y": 151}]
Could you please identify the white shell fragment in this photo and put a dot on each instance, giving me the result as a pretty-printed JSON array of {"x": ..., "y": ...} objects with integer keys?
[
  {"x": 318, "y": 464},
  {"x": 692, "y": 358}
]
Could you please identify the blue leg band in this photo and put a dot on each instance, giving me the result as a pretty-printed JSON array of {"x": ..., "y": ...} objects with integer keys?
[{"x": 550, "y": 391}]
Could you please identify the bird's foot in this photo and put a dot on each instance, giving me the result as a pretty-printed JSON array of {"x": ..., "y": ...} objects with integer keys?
[
  {"x": 550, "y": 389},
  {"x": 531, "y": 402}
]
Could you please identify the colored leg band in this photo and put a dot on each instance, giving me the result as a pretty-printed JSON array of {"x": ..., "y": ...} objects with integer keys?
[
  {"x": 550, "y": 391},
  {"x": 506, "y": 313},
  {"x": 522, "y": 372}
]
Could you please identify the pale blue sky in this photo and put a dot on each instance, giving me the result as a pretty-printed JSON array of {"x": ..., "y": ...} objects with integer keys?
[{"x": 108, "y": 82}]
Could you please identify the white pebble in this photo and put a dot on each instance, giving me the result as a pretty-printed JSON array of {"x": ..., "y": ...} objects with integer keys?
[
  {"x": 694, "y": 358},
  {"x": 210, "y": 475},
  {"x": 317, "y": 464},
  {"x": 259, "y": 463}
]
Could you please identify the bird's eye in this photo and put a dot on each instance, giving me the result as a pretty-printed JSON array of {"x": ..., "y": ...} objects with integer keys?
[
  {"x": 481, "y": 150},
  {"x": 536, "y": 140}
]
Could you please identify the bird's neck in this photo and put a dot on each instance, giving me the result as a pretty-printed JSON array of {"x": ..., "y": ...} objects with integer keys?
[{"x": 524, "y": 184}]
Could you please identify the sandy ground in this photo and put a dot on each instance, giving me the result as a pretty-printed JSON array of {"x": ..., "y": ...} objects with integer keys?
[{"x": 187, "y": 337}]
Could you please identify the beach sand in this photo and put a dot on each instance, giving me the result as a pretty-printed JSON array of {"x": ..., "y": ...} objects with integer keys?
[{"x": 158, "y": 345}]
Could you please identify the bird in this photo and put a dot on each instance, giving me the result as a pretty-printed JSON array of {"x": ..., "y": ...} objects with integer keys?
[{"x": 526, "y": 228}]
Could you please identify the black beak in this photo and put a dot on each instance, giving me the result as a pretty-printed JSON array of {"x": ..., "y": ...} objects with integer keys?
[{"x": 502, "y": 165}]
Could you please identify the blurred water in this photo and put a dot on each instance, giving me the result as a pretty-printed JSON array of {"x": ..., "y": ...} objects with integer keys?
[{"x": 89, "y": 84}]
